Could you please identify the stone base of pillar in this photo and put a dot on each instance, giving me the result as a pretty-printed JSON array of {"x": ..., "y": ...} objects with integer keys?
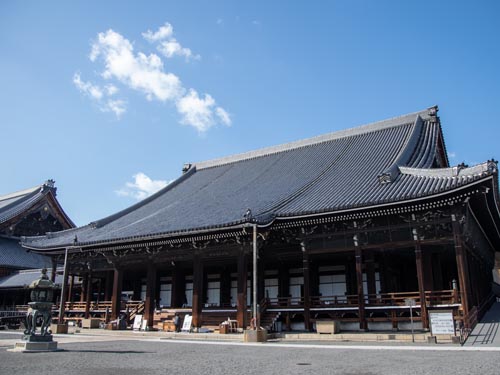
[
  {"x": 59, "y": 328},
  {"x": 252, "y": 335}
]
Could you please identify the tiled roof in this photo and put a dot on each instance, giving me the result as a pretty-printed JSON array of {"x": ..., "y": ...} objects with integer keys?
[
  {"x": 24, "y": 278},
  {"x": 388, "y": 161},
  {"x": 13, "y": 255}
]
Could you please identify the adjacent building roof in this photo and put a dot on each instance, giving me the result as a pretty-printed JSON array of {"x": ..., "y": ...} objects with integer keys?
[
  {"x": 395, "y": 160},
  {"x": 13, "y": 255},
  {"x": 24, "y": 278},
  {"x": 15, "y": 204}
]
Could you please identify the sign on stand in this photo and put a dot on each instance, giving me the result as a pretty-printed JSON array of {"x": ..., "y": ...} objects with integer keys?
[
  {"x": 442, "y": 322},
  {"x": 186, "y": 325},
  {"x": 137, "y": 323}
]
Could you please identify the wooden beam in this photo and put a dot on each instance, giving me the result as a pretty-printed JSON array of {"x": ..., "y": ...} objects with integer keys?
[
  {"x": 197, "y": 291},
  {"x": 359, "y": 281},
  {"x": 241, "y": 314},
  {"x": 421, "y": 284},
  {"x": 88, "y": 295},
  {"x": 151, "y": 286},
  {"x": 117, "y": 293},
  {"x": 307, "y": 288},
  {"x": 463, "y": 279}
]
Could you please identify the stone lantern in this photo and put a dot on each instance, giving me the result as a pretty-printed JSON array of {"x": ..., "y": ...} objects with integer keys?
[{"x": 40, "y": 307}]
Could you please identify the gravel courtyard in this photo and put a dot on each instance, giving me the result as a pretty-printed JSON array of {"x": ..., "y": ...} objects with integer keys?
[{"x": 96, "y": 355}]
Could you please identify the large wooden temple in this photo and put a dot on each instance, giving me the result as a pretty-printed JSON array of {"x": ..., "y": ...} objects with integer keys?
[{"x": 346, "y": 226}]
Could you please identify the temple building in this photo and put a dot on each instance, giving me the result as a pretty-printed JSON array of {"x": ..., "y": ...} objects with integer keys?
[
  {"x": 29, "y": 212},
  {"x": 346, "y": 226}
]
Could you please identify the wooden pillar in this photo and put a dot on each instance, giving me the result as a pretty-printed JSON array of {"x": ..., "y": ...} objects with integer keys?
[
  {"x": 197, "y": 291},
  {"x": 151, "y": 286},
  {"x": 359, "y": 282},
  {"x": 241, "y": 304},
  {"x": 62, "y": 300},
  {"x": 88, "y": 295},
  {"x": 307, "y": 288},
  {"x": 421, "y": 284},
  {"x": 116, "y": 294},
  {"x": 463, "y": 279}
]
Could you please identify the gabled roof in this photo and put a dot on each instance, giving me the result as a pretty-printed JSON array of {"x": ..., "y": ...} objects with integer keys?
[
  {"x": 395, "y": 160},
  {"x": 15, "y": 204}
]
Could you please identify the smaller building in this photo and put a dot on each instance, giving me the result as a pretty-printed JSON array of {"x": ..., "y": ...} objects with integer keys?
[{"x": 29, "y": 212}]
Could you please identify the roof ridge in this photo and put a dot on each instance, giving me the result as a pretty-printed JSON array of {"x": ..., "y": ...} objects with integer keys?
[
  {"x": 357, "y": 130},
  {"x": 20, "y": 193},
  {"x": 485, "y": 168}
]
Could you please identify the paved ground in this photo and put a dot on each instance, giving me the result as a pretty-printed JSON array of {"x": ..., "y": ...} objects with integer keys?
[
  {"x": 486, "y": 333},
  {"x": 88, "y": 354}
]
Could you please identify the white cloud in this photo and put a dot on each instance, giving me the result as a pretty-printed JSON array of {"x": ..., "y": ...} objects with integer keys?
[
  {"x": 168, "y": 45},
  {"x": 172, "y": 48},
  {"x": 199, "y": 112},
  {"x": 98, "y": 94},
  {"x": 164, "y": 32},
  {"x": 116, "y": 106},
  {"x": 452, "y": 155},
  {"x": 140, "y": 72},
  {"x": 87, "y": 88},
  {"x": 142, "y": 187},
  {"x": 145, "y": 73},
  {"x": 223, "y": 116}
]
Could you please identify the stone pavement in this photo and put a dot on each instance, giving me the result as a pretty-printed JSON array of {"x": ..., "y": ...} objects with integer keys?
[{"x": 486, "y": 333}]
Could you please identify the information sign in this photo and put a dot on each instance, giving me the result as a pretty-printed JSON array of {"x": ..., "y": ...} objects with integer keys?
[
  {"x": 137, "y": 322},
  {"x": 186, "y": 325},
  {"x": 442, "y": 322}
]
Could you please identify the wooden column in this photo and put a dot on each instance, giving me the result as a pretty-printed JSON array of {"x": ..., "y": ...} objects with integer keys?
[
  {"x": 241, "y": 303},
  {"x": 197, "y": 291},
  {"x": 463, "y": 279},
  {"x": 421, "y": 284},
  {"x": 88, "y": 295},
  {"x": 307, "y": 288},
  {"x": 359, "y": 282},
  {"x": 151, "y": 286},
  {"x": 116, "y": 296},
  {"x": 63, "y": 301}
]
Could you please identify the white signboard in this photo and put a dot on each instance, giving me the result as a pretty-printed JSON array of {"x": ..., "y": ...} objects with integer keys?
[
  {"x": 442, "y": 322},
  {"x": 186, "y": 326},
  {"x": 137, "y": 322}
]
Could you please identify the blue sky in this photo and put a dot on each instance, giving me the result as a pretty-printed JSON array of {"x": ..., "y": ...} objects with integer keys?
[{"x": 111, "y": 98}]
